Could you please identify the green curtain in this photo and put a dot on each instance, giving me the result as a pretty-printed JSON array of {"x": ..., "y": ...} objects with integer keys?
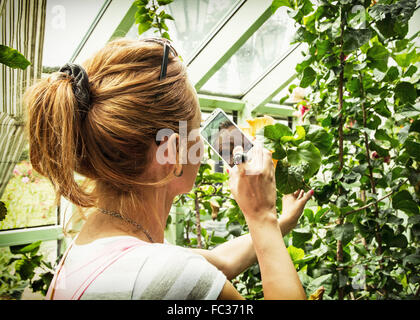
[{"x": 22, "y": 25}]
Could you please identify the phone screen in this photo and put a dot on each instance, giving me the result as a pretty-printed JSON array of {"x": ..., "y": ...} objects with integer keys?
[{"x": 223, "y": 136}]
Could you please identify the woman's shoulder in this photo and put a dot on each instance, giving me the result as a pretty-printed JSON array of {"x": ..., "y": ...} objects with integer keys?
[
  {"x": 153, "y": 270},
  {"x": 132, "y": 246}
]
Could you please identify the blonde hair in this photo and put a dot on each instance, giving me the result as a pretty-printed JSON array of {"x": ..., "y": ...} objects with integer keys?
[{"x": 109, "y": 144}]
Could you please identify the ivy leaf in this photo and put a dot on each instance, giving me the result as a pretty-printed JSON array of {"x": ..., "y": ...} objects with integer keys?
[
  {"x": 392, "y": 240},
  {"x": 400, "y": 45},
  {"x": 13, "y": 58},
  {"x": 392, "y": 74},
  {"x": 405, "y": 92},
  {"x": 289, "y": 178},
  {"x": 413, "y": 149},
  {"x": 409, "y": 111},
  {"x": 319, "y": 137},
  {"x": 405, "y": 59},
  {"x": 299, "y": 135},
  {"x": 382, "y": 109},
  {"x": 305, "y": 153},
  {"x": 355, "y": 38},
  {"x": 279, "y": 3},
  {"x": 325, "y": 280},
  {"x": 378, "y": 57},
  {"x": 30, "y": 248},
  {"x": 344, "y": 232},
  {"x": 361, "y": 250},
  {"x": 295, "y": 253},
  {"x": 279, "y": 152},
  {"x": 413, "y": 259},
  {"x": 25, "y": 268},
  {"x": 277, "y": 131},
  {"x": 308, "y": 77},
  {"x": 302, "y": 35},
  {"x": 164, "y": 2},
  {"x": 322, "y": 47},
  {"x": 300, "y": 236},
  {"x": 404, "y": 201},
  {"x": 391, "y": 19},
  {"x": 143, "y": 27}
]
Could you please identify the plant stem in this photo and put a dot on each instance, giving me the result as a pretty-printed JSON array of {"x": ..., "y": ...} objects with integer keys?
[
  {"x": 339, "y": 255},
  {"x": 370, "y": 204},
  {"x": 374, "y": 203},
  {"x": 370, "y": 167},
  {"x": 197, "y": 221},
  {"x": 378, "y": 236}
]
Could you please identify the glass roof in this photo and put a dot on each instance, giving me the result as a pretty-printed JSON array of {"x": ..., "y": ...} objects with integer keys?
[
  {"x": 257, "y": 54},
  {"x": 194, "y": 22},
  {"x": 65, "y": 26}
]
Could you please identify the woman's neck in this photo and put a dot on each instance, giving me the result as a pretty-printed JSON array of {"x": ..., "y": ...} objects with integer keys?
[{"x": 151, "y": 213}]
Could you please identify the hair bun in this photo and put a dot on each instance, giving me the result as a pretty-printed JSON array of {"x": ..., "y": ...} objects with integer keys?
[{"x": 80, "y": 85}]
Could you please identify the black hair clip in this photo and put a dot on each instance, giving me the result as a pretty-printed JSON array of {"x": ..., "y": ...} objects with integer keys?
[
  {"x": 167, "y": 47},
  {"x": 164, "y": 66}
]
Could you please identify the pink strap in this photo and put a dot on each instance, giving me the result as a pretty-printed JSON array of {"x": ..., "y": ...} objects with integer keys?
[{"x": 71, "y": 283}]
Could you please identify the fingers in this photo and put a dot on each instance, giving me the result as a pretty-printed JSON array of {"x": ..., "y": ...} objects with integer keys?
[
  {"x": 301, "y": 193},
  {"x": 308, "y": 195},
  {"x": 240, "y": 167}
]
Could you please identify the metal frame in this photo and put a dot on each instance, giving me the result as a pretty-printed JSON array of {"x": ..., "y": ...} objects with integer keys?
[
  {"x": 28, "y": 235},
  {"x": 104, "y": 27},
  {"x": 228, "y": 39},
  {"x": 18, "y": 236},
  {"x": 116, "y": 17}
]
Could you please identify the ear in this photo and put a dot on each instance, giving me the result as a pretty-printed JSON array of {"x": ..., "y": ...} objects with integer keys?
[{"x": 173, "y": 148}]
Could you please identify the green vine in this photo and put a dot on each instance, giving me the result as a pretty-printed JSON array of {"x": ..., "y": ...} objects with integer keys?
[
  {"x": 364, "y": 74},
  {"x": 150, "y": 14}
]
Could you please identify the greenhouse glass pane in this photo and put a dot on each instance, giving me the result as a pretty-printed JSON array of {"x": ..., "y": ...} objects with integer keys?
[
  {"x": 65, "y": 26},
  {"x": 284, "y": 93},
  {"x": 194, "y": 22},
  {"x": 29, "y": 199},
  {"x": 257, "y": 54}
]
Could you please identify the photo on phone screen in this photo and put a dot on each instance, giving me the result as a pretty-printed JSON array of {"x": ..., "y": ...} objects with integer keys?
[{"x": 223, "y": 136}]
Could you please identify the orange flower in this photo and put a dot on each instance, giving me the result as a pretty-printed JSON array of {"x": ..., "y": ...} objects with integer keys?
[
  {"x": 258, "y": 123},
  {"x": 255, "y": 125}
]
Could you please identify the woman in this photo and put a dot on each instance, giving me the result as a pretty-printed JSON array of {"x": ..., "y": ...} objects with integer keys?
[{"x": 101, "y": 121}]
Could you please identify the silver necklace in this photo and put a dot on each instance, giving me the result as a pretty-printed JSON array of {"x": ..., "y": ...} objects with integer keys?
[{"x": 137, "y": 225}]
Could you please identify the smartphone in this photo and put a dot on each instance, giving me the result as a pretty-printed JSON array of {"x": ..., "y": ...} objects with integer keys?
[{"x": 223, "y": 135}]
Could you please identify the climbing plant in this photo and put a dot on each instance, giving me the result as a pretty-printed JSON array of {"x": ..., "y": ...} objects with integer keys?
[{"x": 362, "y": 240}]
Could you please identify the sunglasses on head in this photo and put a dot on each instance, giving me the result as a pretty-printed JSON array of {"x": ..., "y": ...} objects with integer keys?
[{"x": 167, "y": 46}]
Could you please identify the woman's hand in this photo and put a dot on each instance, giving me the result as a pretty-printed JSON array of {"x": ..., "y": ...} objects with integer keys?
[
  {"x": 293, "y": 205},
  {"x": 253, "y": 184},
  {"x": 253, "y": 187}
]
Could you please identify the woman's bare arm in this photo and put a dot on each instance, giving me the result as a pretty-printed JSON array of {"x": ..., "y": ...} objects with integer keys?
[{"x": 236, "y": 255}]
